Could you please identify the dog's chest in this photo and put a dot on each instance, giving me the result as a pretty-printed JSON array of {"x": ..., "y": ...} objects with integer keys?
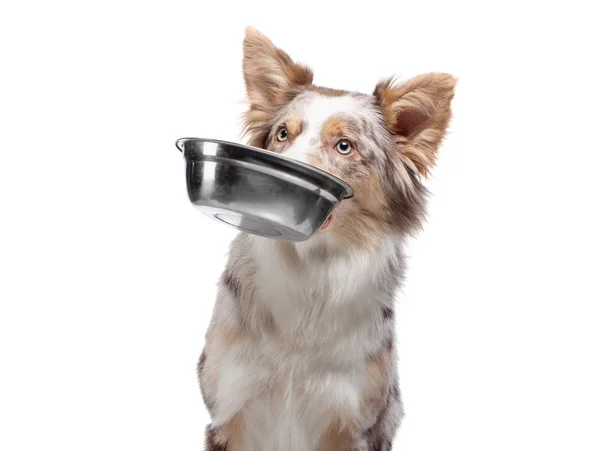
[
  {"x": 289, "y": 385},
  {"x": 293, "y": 407}
]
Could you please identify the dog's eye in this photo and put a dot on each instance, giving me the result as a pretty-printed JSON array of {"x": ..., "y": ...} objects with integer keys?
[
  {"x": 282, "y": 135},
  {"x": 344, "y": 147}
]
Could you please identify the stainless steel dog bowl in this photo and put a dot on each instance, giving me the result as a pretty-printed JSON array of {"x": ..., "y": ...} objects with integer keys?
[{"x": 257, "y": 191}]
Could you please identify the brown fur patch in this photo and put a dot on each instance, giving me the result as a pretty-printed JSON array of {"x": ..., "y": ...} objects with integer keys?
[
  {"x": 226, "y": 335},
  {"x": 377, "y": 379},
  {"x": 376, "y": 388},
  {"x": 389, "y": 344},
  {"x": 211, "y": 442},
  {"x": 294, "y": 125},
  {"x": 356, "y": 229},
  {"x": 337, "y": 128},
  {"x": 359, "y": 223},
  {"x": 232, "y": 283},
  {"x": 334, "y": 127},
  {"x": 233, "y": 433},
  {"x": 387, "y": 313},
  {"x": 373, "y": 198},
  {"x": 338, "y": 437},
  {"x": 229, "y": 437}
]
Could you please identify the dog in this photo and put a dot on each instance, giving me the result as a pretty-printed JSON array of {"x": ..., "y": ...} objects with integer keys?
[{"x": 300, "y": 353}]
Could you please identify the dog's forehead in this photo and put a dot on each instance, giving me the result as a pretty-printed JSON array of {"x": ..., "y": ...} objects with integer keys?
[{"x": 315, "y": 109}]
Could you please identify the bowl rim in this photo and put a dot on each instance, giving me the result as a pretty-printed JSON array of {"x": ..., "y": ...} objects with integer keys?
[{"x": 272, "y": 155}]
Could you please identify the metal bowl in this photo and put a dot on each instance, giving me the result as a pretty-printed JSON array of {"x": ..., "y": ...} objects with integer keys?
[{"x": 257, "y": 191}]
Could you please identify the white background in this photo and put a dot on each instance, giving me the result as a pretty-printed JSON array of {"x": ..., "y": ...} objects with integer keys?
[{"x": 108, "y": 274}]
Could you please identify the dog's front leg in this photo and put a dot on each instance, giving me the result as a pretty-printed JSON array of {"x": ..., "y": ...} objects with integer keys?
[
  {"x": 229, "y": 377},
  {"x": 227, "y": 437}
]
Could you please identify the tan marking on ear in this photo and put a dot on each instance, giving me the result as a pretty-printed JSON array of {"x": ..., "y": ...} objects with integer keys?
[
  {"x": 417, "y": 114},
  {"x": 276, "y": 67}
]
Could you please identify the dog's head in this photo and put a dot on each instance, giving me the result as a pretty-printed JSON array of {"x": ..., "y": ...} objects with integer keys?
[{"x": 380, "y": 144}]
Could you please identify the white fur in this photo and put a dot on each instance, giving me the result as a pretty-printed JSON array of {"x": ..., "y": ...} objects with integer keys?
[{"x": 286, "y": 386}]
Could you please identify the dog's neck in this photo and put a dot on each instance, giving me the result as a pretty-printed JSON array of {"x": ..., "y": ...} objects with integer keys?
[{"x": 322, "y": 287}]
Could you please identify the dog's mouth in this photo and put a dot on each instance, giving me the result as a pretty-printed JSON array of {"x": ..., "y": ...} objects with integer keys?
[{"x": 327, "y": 222}]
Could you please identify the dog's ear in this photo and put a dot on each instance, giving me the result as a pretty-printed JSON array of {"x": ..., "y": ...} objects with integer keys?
[
  {"x": 417, "y": 114},
  {"x": 272, "y": 80}
]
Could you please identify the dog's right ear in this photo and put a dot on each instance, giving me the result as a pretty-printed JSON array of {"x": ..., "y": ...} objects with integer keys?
[{"x": 272, "y": 80}]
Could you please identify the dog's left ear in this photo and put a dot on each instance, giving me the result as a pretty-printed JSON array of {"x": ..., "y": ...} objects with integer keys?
[
  {"x": 417, "y": 114},
  {"x": 272, "y": 80}
]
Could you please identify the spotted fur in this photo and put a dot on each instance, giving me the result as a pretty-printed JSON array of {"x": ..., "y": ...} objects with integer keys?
[{"x": 300, "y": 350}]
